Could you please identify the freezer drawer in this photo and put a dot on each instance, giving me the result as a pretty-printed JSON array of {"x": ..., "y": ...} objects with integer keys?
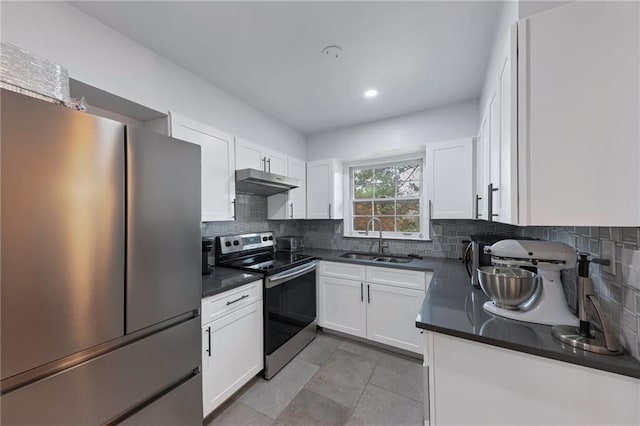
[
  {"x": 108, "y": 386},
  {"x": 181, "y": 406},
  {"x": 163, "y": 225},
  {"x": 63, "y": 217}
]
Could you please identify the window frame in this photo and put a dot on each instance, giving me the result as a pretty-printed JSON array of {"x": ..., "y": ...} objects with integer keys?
[{"x": 422, "y": 234}]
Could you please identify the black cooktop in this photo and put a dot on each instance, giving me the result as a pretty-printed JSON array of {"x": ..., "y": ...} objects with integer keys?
[{"x": 269, "y": 263}]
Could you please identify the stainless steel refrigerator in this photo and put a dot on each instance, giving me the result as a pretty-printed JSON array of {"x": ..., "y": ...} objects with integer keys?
[{"x": 100, "y": 279}]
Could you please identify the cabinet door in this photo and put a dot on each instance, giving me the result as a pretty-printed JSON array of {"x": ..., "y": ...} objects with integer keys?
[
  {"x": 342, "y": 305},
  {"x": 249, "y": 155},
  {"x": 481, "y": 172},
  {"x": 291, "y": 204},
  {"x": 276, "y": 162},
  {"x": 499, "y": 385},
  {"x": 449, "y": 178},
  {"x": 218, "y": 185},
  {"x": 494, "y": 154},
  {"x": 486, "y": 160},
  {"x": 391, "y": 316},
  {"x": 319, "y": 184},
  {"x": 231, "y": 354},
  {"x": 298, "y": 197},
  {"x": 507, "y": 201},
  {"x": 579, "y": 79},
  {"x": 479, "y": 206},
  {"x": 324, "y": 181}
]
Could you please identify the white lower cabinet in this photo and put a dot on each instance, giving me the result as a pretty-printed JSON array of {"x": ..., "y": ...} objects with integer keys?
[
  {"x": 232, "y": 349},
  {"x": 468, "y": 382},
  {"x": 379, "y": 312},
  {"x": 391, "y": 316},
  {"x": 342, "y": 306}
]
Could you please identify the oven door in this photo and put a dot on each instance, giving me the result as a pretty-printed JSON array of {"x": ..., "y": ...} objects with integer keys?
[{"x": 290, "y": 305}]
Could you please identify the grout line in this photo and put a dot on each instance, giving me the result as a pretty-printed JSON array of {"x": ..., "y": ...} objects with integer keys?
[{"x": 396, "y": 393}]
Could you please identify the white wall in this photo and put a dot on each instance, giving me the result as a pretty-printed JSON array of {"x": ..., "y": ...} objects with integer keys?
[
  {"x": 101, "y": 57},
  {"x": 449, "y": 122}
]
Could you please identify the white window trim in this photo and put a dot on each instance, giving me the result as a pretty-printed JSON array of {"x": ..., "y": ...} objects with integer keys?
[{"x": 348, "y": 232}]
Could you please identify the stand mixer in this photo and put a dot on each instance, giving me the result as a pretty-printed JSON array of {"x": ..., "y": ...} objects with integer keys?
[{"x": 548, "y": 304}]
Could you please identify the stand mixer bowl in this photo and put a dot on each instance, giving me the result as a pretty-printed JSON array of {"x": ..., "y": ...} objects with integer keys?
[{"x": 508, "y": 288}]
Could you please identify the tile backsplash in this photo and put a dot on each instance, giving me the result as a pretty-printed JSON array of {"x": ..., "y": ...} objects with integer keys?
[{"x": 618, "y": 294}]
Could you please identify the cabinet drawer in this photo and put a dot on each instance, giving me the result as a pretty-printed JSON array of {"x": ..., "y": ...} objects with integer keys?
[
  {"x": 343, "y": 270},
  {"x": 219, "y": 305},
  {"x": 397, "y": 277}
]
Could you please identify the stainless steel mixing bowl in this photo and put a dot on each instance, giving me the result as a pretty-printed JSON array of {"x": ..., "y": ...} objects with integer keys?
[{"x": 509, "y": 288}]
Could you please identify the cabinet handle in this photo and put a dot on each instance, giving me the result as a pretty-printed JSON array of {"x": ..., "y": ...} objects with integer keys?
[
  {"x": 329, "y": 210},
  {"x": 361, "y": 292},
  {"x": 264, "y": 164},
  {"x": 490, "y": 214},
  {"x": 209, "y": 338},
  {"x": 368, "y": 293},
  {"x": 269, "y": 164},
  {"x": 291, "y": 206},
  {"x": 430, "y": 211},
  {"x": 478, "y": 198},
  {"x": 234, "y": 208},
  {"x": 244, "y": 296}
]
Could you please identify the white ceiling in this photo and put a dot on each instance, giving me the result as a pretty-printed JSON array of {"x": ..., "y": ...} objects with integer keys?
[{"x": 418, "y": 55}]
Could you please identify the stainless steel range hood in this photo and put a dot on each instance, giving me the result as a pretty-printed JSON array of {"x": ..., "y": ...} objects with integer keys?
[{"x": 257, "y": 182}]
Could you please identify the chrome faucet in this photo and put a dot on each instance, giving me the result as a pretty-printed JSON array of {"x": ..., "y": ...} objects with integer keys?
[{"x": 372, "y": 220}]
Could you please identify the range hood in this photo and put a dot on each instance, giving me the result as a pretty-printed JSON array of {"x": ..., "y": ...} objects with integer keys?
[{"x": 257, "y": 182}]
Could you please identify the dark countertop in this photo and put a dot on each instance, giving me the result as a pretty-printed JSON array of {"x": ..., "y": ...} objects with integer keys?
[
  {"x": 452, "y": 306},
  {"x": 426, "y": 264},
  {"x": 222, "y": 279}
]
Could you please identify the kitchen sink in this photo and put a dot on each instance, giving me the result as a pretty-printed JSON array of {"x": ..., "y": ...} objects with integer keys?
[
  {"x": 377, "y": 257},
  {"x": 393, "y": 259},
  {"x": 359, "y": 256}
]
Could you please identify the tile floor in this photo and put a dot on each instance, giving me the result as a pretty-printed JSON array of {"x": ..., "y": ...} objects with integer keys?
[{"x": 333, "y": 381}]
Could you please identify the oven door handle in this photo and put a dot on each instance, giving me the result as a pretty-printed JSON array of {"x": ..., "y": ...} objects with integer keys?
[{"x": 281, "y": 278}]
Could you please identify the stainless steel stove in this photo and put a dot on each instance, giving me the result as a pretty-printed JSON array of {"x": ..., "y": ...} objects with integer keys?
[{"x": 289, "y": 293}]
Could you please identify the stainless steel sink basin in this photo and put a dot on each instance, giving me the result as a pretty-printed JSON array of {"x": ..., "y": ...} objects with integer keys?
[
  {"x": 393, "y": 259},
  {"x": 359, "y": 256},
  {"x": 377, "y": 257}
]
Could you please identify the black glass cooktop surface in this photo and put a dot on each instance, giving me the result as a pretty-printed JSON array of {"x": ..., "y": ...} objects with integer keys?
[{"x": 269, "y": 263}]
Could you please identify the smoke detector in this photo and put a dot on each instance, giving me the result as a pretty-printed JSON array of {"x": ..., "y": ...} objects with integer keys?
[{"x": 332, "y": 52}]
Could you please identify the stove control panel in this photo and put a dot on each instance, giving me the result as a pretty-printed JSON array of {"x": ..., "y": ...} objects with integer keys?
[{"x": 244, "y": 242}]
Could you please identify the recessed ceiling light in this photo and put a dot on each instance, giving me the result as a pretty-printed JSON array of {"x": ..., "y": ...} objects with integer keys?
[{"x": 371, "y": 93}]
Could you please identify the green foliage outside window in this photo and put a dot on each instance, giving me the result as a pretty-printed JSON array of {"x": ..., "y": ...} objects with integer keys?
[{"x": 389, "y": 192}]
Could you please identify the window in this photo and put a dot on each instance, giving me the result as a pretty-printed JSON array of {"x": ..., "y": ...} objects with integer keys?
[{"x": 391, "y": 192}]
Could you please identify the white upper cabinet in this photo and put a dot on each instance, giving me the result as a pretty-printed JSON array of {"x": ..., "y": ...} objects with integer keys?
[
  {"x": 496, "y": 153},
  {"x": 253, "y": 156},
  {"x": 579, "y": 109},
  {"x": 506, "y": 204},
  {"x": 324, "y": 185},
  {"x": 449, "y": 179},
  {"x": 217, "y": 162},
  {"x": 291, "y": 204},
  {"x": 482, "y": 170},
  {"x": 276, "y": 162}
]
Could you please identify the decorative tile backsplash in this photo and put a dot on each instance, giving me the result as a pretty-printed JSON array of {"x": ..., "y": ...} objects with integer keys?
[{"x": 619, "y": 294}]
